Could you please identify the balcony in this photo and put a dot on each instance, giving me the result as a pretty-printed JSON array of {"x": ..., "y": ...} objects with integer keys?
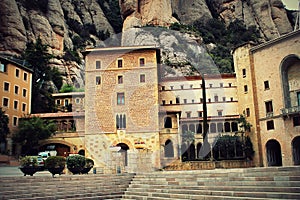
[{"x": 290, "y": 111}]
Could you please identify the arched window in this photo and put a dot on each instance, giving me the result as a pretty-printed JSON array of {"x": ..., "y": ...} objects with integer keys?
[
  {"x": 168, "y": 122},
  {"x": 184, "y": 128},
  {"x": 234, "y": 126},
  {"x": 220, "y": 127},
  {"x": 199, "y": 128},
  {"x": 227, "y": 126},
  {"x": 192, "y": 128},
  {"x": 169, "y": 150},
  {"x": 212, "y": 128}
]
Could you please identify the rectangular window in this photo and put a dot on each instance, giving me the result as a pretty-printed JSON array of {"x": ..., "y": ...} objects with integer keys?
[
  {"x": 24, "y": 93},
  {"x": 25, "y": 76},
  {"x": 163, "y": 102},
  {"x": 163, "y": 87},
  {"x": 172, "y": 87},
  {"x": 220, "y": 113},
  {"x": 221, "y": 84},
  {"x": 120, "y": 121},
  {"x": 247, "y": 112},
  {"x": 231, "y": 98},
  {"x": 142, "y": 78},
  {"x": 270, "y": 125},
  {"x": 209, "y": 100},
  {"x": 244, "y": 73},
  {"x": 201, "y": 100},
  {"x": 191, "y": 86},
  {"x": 16, "y": 89},
  {"x": 120, "y": 98},
  {"x": 142, "y": 62},
  {"x": 200, "y": 113},
  {"x": 185, "y": 101},
  {"x": 6, "y": 86},
  {"x": 224, "y": 98},
  {"x": 210, "y": 85},
  {"x": 17, "y": 73},
  {"x": 120, "y": 79},
  {"x": 229, "y": 84},
  {"x": 171, "y": 102},
  {"x": 23, "y": 107},
  {"x": 15, "y": 121},
  {"x": 266, "y": 84},
  {"x": 16, "y": 104},
  {"x": 216, "y": 98},
  {"x": 5, "y": 102},
  {"x": 177, "y": 100},
  {"x": 296, "y": 121},
  {"x": 58, "y": 102},
  {"x": 269, "y": 107},
  {"x": 3, "y": 67},
  {"x": 66, "y": 102},
  {"x": 181, "y": 87},
  {"x": 98, "y": 64},
  {"x": 245, "y": 88},
  {"x": 188, "y": 114},
  {"x": 120, "y": 63},
  {"x": 98, "y": 80}
]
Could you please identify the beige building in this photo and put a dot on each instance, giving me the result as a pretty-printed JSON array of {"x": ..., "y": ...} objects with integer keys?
[
  {"x": 268, "y": 78},
  {"x": 15, "y": 93}
]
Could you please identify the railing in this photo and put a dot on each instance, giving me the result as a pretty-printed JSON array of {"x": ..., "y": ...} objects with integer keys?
[{"x": 291, "y": 110}]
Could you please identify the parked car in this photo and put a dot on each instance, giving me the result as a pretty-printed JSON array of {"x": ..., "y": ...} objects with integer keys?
[
  {"x": 40, "y": 161},
  {"x": 44, "y": 155}
]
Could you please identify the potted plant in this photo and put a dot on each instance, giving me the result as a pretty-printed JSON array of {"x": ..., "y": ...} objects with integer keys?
[
  {"x": 29, "y": 165},
  {"x": 55, "y": 164},
  {"x": 75, "y": 163},
  {"x": 89, "y": 164}
]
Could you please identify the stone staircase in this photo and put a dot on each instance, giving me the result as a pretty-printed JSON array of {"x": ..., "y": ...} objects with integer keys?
[
  {"x": 73, "y": 187},
  {"x": 250, "y": 183}
]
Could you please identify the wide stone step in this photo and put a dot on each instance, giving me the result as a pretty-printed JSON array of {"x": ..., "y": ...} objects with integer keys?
[
  {"x": 216, "y": 188},
  {"x": 261, "y": 194}
]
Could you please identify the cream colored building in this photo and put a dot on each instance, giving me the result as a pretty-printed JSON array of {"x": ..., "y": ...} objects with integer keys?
[
  {"x": 268, "y": 77},
  {"x": 15, "y": 93}
]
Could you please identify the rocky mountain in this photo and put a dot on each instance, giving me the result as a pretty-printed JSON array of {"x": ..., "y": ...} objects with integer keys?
[{"x": 71, "y": 25}]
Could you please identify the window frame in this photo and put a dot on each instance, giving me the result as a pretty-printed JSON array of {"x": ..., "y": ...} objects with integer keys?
[
  {"x": 270, "y": 125},
  {"x": 142, "y": 78},
  {"x": 4, "y": 100},
  {"x": 3, "y": 67},
  {"x": 16, "y": 105},
  {"x": 142, "y": 64},
  {"x": 120, "y": 98},
  {"x": 266, "y": 85},
  {"x": 120, "y": 63},
  {"x": 98, "y": 80},
  {"x": 24, "y": 90},
  {"x": 98, "y": 64},
  {"x": 4, "y": 86},
  {"x": 17, "y": 73},
  {"x": 25, "y": 76},
  {"x": 120, "y": 79},
  {"x": 16, "y": 89},
  {"x": 24, "y": 106}
]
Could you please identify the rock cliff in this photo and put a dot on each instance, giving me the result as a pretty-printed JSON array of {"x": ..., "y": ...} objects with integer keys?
[{"x": 74, "y": 24}]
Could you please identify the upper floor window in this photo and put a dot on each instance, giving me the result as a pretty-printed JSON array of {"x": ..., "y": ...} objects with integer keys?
[
  {"x": 98, "y": 80},
  {"x": 266, "y": 84},
  {"x": 188, "y": 114},
  {"x": 191, "y": 86},
  {"x": 210, "y": 85},
  {"x": 120, "y": 63},
  {"x": 296, "y": 121},
  {"x": 221, "y": 84},
  {"x": 121, "y": 121},
  {"x": 5, "y": 102},
  {"x": 245, "y": 88},
  {"x": 23, "y": 107},
  {"x": 244, "y": 73},
  {"x": 270, "y": 125},
  {"x": 120, "y": 98},
  {"x": 220, "y": 113},
  {"x": 25, "y": 75},
  {"x": 142, "y": 78},
  {"x": 247, "y": 112},
  {"x": 120, "y": 79},
  {"x": 3, "y": 67},
  {"x": 224, "y": 98},
  {"x": 17, "y": 73},
  {"x": 58, "y": 102},
  {"x": 171, "y": 87},
  {"x": 16, "y": 103},
  {"x": 168, "y": 122},
  {"x": 24, "y": 93},
  {"x": 15, "y": 121},
  {"x": 16, "y": 89},
  {"x": 185, "y": 101},
  {"x": 229, "y": 84},
  {"x": 200, "y": 113},
  {"x": 216, "y": 98},
  {"x": 177, "y": 100},
  {"x": 6, "y": 86},
  {"x": 98, "y": 64},
  {"x": 269, "y": 106},
  {"x": 181, "y": 87},
  {"x": 66, "y": 102},
  {"x": 163, "y": 87},
  {"x": 77, "y": 100},
  {"x": 142, "y": 62}
]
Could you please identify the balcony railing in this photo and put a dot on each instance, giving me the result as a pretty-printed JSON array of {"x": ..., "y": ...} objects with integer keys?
[{"x": 291, "y": 110}]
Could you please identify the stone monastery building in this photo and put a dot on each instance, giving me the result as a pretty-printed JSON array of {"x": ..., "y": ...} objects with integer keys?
[{"x": 134, "y": 119}]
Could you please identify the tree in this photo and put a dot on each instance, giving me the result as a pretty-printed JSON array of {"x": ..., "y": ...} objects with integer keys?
[
  {"x": 4, "y": 130},
  {"x": 31, "y": 130},
  {"x": 37, "y": 56}
]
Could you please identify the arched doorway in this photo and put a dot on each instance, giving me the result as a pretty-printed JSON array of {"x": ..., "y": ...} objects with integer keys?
[
  {"x": 123, "y": 151},
  {"x": 296, "y": 150},
  {"x": 169, "y": 150},
  {"x": 273, "y": 153}
]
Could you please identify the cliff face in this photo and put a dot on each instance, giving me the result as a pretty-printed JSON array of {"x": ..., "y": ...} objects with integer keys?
[{"x": 74, "y": 24}]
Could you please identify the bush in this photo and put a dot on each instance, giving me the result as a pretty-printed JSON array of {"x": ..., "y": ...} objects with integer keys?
[
  {"x": 29, "y": 161},
  {"x": 55, "y": 162},
  {"x": 76, "y": 161},
  {"x": 88, "y": 163}
]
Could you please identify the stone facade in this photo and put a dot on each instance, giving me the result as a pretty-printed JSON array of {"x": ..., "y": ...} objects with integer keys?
[
  {"x": 271, "y": 71},
  {"x": 15, "y": 94}
]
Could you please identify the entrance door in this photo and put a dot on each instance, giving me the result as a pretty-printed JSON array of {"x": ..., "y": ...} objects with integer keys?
[
  {"x": 123, "y": 151},
  {"x": 296, "y": 150},
  {"x": 273, "y": 153}
]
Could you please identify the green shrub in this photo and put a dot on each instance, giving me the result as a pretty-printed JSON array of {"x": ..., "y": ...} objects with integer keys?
[
  {"x": 55, "y": 162},
  {"x": 88, "y": 162},
  {"x": 76, "y": 161},
  {"x": 29, "y": 161}
]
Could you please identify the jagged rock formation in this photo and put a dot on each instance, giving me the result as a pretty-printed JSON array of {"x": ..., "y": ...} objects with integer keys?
[{"x": 74, "y": 24}]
